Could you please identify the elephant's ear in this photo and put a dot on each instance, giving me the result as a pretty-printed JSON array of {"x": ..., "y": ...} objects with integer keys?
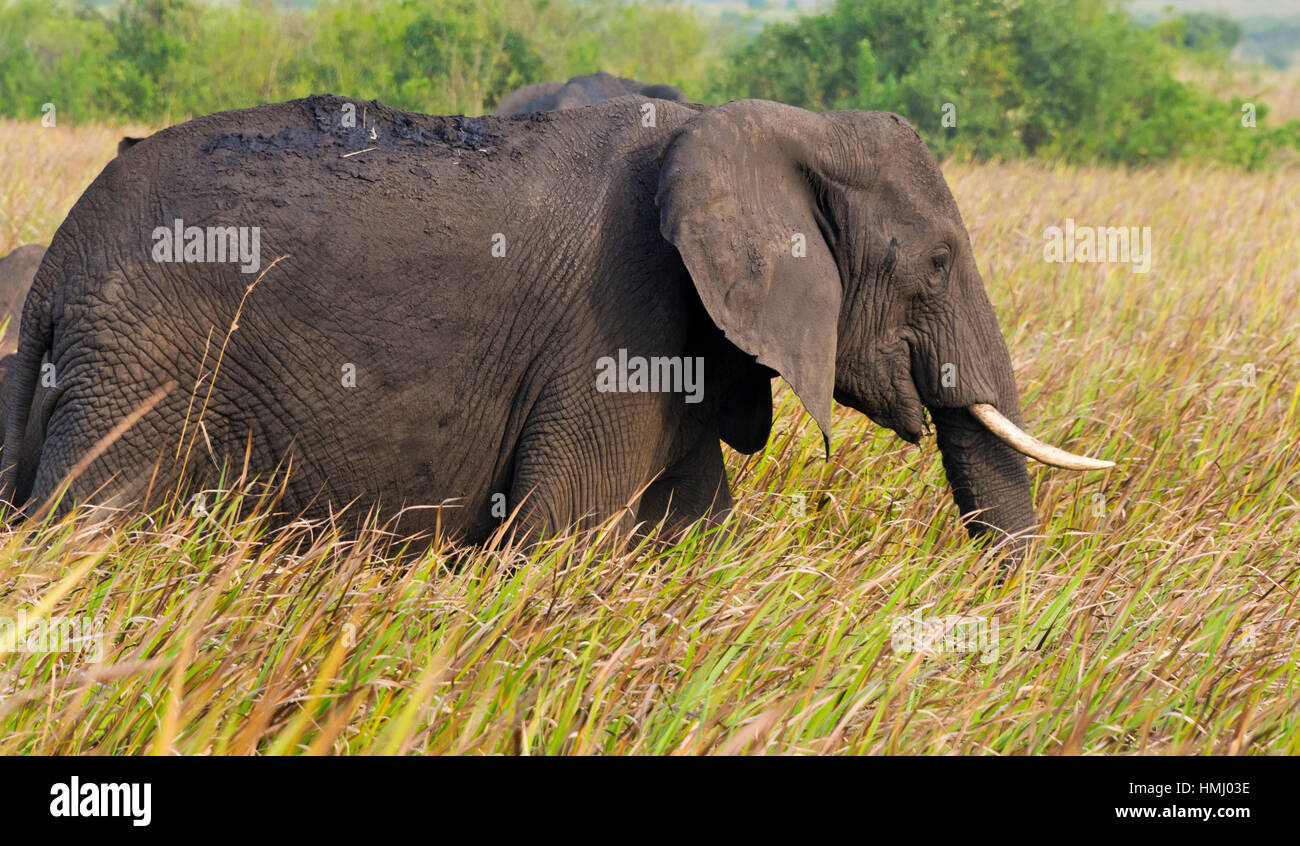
[{"x": 736, "y": 200}]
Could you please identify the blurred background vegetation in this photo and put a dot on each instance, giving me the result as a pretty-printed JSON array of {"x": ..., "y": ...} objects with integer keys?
[{"x": 1071, "y": 80}]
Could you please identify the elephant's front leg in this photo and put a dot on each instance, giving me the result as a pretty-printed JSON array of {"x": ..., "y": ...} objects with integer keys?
[
  {"x": 694, "y": 487},
  {"x": 581, "y": 460}
]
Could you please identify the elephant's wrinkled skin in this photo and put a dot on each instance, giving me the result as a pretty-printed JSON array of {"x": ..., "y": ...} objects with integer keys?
[
  {"x": 580, "y": 91},
  {"x": 17, "y": 270},
  {"x": 475, "y": 374},
  {"x": 16, "y": 273}
]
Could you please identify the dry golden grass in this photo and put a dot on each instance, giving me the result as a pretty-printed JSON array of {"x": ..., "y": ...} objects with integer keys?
[
  {"x": 1156, "y": 614},
  {"x": 43, "y": 171}
]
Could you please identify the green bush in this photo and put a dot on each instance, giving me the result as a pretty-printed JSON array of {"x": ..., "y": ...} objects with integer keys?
[
  {"x": 1064, "y": 79},
  {"x": 1200, "y": 31},
  {"x": 162, "y": 60},
  {"x": 1068, "y": 79}
]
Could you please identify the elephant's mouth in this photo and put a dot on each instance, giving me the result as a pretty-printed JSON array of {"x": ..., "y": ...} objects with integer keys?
[
  {"x": 886, "y": 393},
  {"x": 893, "y": 400}
]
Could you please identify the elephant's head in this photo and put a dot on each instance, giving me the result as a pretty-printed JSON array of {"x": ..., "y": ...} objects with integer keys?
[{"x": 829, "y": 247}]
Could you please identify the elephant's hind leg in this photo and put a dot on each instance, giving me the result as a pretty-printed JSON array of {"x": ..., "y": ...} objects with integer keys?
[{"x": 116, "y": 455}]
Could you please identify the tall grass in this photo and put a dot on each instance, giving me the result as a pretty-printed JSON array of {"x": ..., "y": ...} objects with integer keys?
[
  {"x": 42, "y": 172},
  {"x": 1156, "y": 613}
]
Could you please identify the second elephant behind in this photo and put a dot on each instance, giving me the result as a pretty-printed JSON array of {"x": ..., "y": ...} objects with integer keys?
[
  {"x": 17, "y": 270},
  {"x": 580, "y": 91}
]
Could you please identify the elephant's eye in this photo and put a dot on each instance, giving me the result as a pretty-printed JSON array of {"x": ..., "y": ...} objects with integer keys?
[{"x": 941, "y": 261}]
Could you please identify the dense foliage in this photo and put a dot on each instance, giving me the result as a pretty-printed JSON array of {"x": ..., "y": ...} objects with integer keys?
[
  {"x": 1069, "y": 79},
  {"x": 164, "y": 60},
  {"x": 1200, "y": 31},
  {"x": 1066, "y": 79}
]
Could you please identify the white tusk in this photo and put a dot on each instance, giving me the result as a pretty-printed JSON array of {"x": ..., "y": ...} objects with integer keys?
[{"x": 1022, "y": 442}]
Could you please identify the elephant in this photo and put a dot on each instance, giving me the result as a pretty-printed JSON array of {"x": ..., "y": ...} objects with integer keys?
[
  {"x": 16, "y": 273},
  {"x": 578, "y": 92},
  {"x": 453, "y": 323}
]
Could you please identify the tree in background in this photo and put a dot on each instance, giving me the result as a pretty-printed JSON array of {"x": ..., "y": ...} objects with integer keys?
[
  {"x": 1064, "y": 79},
  {"x": 163, "y": 60},
  {"x": 1069, "y": 79},
  {"x": 1201, "y": 31}
]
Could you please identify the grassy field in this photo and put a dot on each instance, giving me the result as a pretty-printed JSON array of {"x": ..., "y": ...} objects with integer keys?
[{"x": 1157, "y": 613}]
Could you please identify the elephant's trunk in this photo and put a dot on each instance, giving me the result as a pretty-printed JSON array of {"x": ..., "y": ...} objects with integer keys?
[
  {"x": 989, "y": 479},
  {"x": 977, "y": 415}
]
